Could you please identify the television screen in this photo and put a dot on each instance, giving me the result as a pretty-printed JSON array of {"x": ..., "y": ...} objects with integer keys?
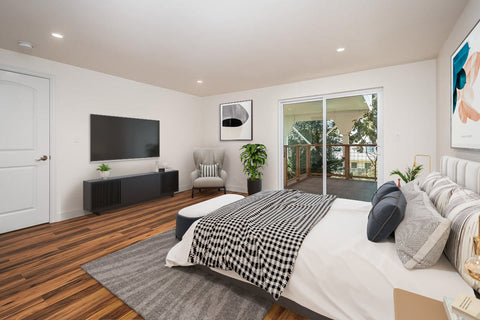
[{"x": 117, "y": 138}]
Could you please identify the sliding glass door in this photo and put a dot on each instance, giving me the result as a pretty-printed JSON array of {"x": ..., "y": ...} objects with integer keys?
[{"x": 347, "y": 164}]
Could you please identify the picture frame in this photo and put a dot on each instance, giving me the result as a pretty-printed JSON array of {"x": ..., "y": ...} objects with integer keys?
[
  {"x": 465, "y": 92},
  {"x": 236, "y": 121}
]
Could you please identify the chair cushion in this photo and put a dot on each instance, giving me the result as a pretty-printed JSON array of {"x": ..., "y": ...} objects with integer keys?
[
  {"x": 384, "y": 189},
  {"x": 385, "y": 216},
  {"x": 208, "y": 170},
  {"x": 421, "y": 237},
  {"x": 208, "y": 182}
]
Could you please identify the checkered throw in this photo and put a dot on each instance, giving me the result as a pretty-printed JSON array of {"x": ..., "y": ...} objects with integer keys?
[{"x": 259, "y": 237}]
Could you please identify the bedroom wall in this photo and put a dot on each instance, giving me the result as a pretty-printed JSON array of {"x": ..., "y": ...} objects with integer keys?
[
  {"x": 78, "y": 93},
  {"x": 469, "y": 17},
  {"x": 409, "y": 116}
]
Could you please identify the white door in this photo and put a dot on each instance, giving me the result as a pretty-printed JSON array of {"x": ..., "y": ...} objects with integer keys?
[{"x": 24, "y": 151}]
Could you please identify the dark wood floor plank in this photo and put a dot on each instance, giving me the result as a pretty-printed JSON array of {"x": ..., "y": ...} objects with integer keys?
[{"x": 40, "y": 274}]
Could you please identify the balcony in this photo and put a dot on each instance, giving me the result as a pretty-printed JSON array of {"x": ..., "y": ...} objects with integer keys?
[{"x": 351, "y": 169}]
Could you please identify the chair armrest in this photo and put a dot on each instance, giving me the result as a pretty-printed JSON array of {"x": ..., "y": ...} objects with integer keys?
[
  {"x": 194, "y": 175},
  {"x": 224, "y": 175}
]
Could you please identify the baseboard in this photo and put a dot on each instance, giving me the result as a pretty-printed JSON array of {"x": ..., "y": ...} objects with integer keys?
[
  {"x": 69, "y": 215},
  {"x": 236, "y": 189},
  {"x": 184, "y": 187}
]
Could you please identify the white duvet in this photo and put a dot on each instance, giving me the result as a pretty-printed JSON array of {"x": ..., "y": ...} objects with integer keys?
[{"x": 342, "y": 275}]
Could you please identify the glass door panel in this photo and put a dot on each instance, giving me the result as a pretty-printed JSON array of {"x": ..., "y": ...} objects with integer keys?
[
  {"x": 351, "y": 149},
  {"x": 302, "y": 146}
]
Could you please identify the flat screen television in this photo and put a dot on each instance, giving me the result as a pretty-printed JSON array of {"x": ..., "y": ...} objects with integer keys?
[{"x": 118, "y": 138}]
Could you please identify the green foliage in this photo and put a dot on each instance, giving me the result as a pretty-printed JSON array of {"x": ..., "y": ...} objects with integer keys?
[
  {"x": 103, "y": 167},
  {"x": 364, "y": 131},
  {"x": 410, "y": 173},
  {"x": 313, "y": 131},
  {"x": 253, "y": 158}
]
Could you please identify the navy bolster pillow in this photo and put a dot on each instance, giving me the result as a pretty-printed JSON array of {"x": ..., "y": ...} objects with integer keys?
[
  {"x": 386, "y": 188},
  {"x": 385, "y": 216}
]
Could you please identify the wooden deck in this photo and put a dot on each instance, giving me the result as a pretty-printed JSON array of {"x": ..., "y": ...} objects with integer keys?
[{"x": 349, "y": 189}]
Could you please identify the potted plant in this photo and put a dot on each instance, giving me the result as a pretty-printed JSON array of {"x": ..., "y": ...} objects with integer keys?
[
  {"x": 410, "y": 173},
  {"x": 104, "y": 170},
  {"x": 253, "y": 158}
]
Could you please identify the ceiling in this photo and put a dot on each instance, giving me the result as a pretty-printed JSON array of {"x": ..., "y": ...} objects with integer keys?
[{"x": 230, "y": 45}]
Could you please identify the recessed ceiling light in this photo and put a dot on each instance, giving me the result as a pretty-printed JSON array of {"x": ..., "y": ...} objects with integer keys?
[
  {"x": 199, "y": 81},
  {"x": 57, "y": 35},
  {"x": 340, "y": 49},
  {"x": 25, "y": 44}
]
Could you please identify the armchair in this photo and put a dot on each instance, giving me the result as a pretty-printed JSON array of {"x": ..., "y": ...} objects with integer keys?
[{"x": 208, "y": 156}]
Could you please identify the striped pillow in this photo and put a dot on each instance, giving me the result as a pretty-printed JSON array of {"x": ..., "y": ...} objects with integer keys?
[
  {"x": 209, "y": 170},
  {"x": 441, "y": 192},
  {"x": 426, "y": 185},
  {"x": 463, "y": 210}
]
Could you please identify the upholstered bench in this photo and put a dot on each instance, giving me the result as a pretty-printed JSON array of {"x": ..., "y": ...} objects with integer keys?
[{"x": 190, "y": 214}]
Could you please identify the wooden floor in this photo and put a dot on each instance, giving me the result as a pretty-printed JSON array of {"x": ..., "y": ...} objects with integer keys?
[
  {"x": 40, "y": 274},
  {"x": 348, "y": 189}
]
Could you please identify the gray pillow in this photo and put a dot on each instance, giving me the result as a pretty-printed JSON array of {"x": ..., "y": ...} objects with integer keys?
[
  {"x": 411, "y": 189},
  {"x": 385, "y": 216},
  {"x": 421, "y": 237}
]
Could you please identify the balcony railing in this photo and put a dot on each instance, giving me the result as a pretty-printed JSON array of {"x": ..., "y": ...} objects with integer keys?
[{"x": 347, "y": 161}]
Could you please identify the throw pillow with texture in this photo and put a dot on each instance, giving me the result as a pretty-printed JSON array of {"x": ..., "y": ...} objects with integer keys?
[
  {"x": 421, "y": 236},
  {"x": 385, "y": 216},
  {"x": 411, "y": 189},
  {"x": 428, "y": 182},
  {"x": 441, "y": 192},
  {"x": 386, "y": 188},
  {"x": 209, "y": 170},
  {"x": 462, "y": 210}
]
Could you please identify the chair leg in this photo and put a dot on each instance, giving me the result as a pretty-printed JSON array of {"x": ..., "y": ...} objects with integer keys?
[
  {"x": 193, "y": 191},
  {"x": 224, "y": 190}
]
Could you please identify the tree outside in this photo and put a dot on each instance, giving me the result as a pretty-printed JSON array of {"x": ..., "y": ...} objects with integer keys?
[
  {"x": 364, "y": 131},
  {"x": 313, "y": 131}
]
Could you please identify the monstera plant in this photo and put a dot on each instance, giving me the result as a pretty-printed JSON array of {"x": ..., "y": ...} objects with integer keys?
[{"x": 253, "y": 158}]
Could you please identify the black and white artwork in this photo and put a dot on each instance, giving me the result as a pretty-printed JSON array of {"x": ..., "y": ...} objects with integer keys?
[{"x": 236, "y": 120}]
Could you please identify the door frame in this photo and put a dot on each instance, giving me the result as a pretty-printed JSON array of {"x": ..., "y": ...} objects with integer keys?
[
  {"x": 324, "y": 98},
  {"x": 52, "y": 151}
]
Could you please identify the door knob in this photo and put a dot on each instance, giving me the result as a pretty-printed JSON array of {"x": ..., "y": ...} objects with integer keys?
[{"x": 42, "y": 158}]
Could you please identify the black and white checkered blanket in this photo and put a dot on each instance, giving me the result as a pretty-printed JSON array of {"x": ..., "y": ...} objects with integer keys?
[{"x": 259, "y": 237}]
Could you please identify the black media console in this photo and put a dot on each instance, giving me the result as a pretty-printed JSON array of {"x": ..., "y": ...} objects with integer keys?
[{"x": 105, "y": 194}]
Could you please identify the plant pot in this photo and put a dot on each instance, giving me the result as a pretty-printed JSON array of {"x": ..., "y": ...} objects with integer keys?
[
  {"x": 104, "y": 174},
  {"x": 254, "y": 186}
]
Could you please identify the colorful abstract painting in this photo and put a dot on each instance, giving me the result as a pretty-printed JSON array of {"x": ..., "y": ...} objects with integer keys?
[{"x": 465, "y": 98}]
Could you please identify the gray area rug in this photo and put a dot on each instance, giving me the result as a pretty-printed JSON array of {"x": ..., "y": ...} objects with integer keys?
[{"x": 138, "y": 276}]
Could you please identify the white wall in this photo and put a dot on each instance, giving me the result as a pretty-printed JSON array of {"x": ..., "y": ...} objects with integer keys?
[
  {"x": 80, "y": 92},
  {"x": 469, "y": 17},
  {"x": 409, "y": 115}
]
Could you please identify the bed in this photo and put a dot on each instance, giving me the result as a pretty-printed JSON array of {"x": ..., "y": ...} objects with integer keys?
[{"x": 355, "y": 280}]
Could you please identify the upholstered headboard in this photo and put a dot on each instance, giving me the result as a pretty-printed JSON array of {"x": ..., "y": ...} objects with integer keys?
[{"x": 464, "y": 172}]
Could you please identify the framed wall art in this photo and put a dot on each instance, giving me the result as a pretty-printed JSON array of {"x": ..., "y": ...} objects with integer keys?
[
  {"x": 465, "y": 93},
  {"x": 236, "y": 121}
]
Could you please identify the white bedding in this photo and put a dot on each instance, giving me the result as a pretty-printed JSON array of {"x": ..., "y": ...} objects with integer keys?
[{"x": 342, "y": 275}]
